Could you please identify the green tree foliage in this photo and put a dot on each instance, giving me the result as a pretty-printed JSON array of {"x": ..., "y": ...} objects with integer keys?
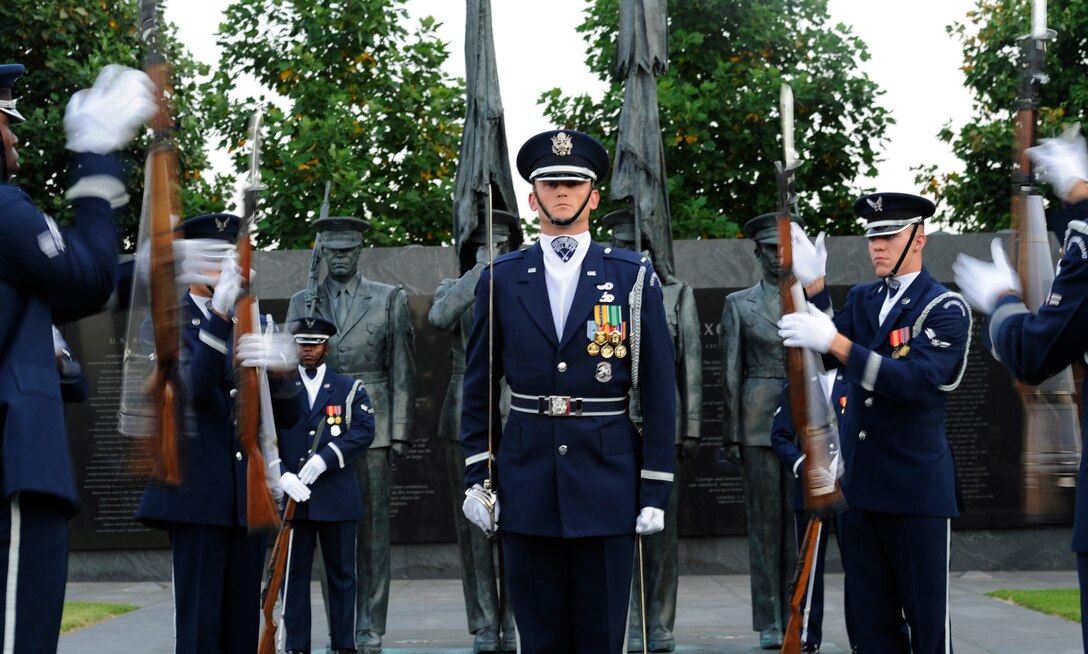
[
  {"x": 719, "y": 109},
  {"x": 979, "y": 198},
  {"x": 352, "y": 97},
  {"x": 63, "y": 46}
]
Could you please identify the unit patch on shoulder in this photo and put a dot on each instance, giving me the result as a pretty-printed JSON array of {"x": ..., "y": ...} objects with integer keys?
[
  {"x": 956, "y": 303},
  {"x": 1076, "y": 241},
  {"x": 1053, "y": 299}
]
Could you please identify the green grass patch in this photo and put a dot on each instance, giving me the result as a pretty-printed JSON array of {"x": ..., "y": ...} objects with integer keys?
[
  {"x": 1062, "y": 602},
  {"x": 84, "y": 614}
]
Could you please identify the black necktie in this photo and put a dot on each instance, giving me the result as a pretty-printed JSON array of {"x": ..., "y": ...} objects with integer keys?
[{"x": 311, "y": 372}]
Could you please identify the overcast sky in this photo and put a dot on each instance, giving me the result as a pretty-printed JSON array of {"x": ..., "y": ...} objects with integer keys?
[{"x": 537, "y": 48}]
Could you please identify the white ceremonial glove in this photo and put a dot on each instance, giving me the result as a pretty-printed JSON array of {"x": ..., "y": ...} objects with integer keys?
[
  {"x": 60, "y": 346},
  {"x": 312, "y": 470},
  {"x": 1061, "y": 162},
  {"x": 294, "y": 487},
  {"x": 229, "y": 287},
  {"x": 275, "y": 351},
  {"x": 475, "y": 508},
  {"x": 809, "y": 259},
  {"x": 649, "y": 521},
  {"x": 105, "y": 117},
  {"x": 812, "y": 330},
  {"x": 199, "y": 260},
  {"x": 983, "y": 284}
]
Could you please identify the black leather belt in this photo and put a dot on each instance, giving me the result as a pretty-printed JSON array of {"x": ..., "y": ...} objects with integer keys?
[{"x": 567, "y": 406}]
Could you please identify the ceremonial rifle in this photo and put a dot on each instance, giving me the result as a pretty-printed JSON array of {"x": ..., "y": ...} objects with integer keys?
[
  {"x": 162, "y": 207},
  {"x": 1051, "y": 439},
  {"x": 276, "y": 571},
  {"x": 260, "y": 509},
  {"x": 813, "y": 418},
  {"x": 315, "y": 258}
]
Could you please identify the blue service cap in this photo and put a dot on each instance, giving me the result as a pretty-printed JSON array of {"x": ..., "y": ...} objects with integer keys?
[
  {"x": 221, "y": 226},
  {"x": 8, "y": 74},
  {"x": 311, "y": 330},
  {"x": 563, "y": 154},
  {"x": 764, "y": 228},
  {"x": 341, "y": 232},
  {"x": 890, "y": 213}
]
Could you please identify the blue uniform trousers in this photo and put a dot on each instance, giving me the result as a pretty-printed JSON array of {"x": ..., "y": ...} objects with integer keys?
[
  {"x": 897, "y": 561},
  {"x": 34, "y": 569},
  {"x": 338, "y": 553},
  {"x": 570, "y": 594},
  {"x": 217, "y": 588},
  {"x": 1082, "y": 578}
]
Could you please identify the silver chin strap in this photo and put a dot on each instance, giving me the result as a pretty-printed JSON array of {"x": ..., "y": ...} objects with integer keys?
[{"x": 564, "y": 223}]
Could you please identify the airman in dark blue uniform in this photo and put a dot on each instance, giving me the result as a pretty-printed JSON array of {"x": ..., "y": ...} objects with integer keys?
[
  {"x": 786, "y": 447},
  {"x": 1036, "y": 346},
  {"x": 217, "y": 564},
  {"x": 335, "y": 427},
  {"x": 48, "y": 275},
  {"x": 575, "y": 329},
  {"x": 900, "y": 344}
]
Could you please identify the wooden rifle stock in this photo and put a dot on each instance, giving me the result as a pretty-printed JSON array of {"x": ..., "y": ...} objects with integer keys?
[
  {"x": 802, "y": 572},
  {"x": 274, "y": 575},
  {"x": 260, "y": 509},
  {"x": 164, "y": 205}
]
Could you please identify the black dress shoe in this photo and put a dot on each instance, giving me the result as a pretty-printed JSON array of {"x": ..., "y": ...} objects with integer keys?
[{"x": 810, "y": 648}]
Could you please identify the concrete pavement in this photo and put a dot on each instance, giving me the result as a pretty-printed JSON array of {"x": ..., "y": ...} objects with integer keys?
[{"x": 426, "y": 616}]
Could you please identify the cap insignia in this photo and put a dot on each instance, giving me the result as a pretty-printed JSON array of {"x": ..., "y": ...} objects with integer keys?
[
  {"x": 221, "y": 225},
  {"x": 877, "y": 206},
  {"x": 562, "y": 145},
  {"x": 309, "y": 323}
]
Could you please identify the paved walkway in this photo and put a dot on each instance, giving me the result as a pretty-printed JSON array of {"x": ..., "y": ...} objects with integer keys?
[{"x": 426, "y": 616}]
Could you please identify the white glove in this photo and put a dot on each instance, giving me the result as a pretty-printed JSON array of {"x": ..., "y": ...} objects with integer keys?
[
  {"x": 475, "y": 508},
  {"x": 106, "y": 116},
  {"x": 812, "y": 330},
  {"x": 197, "y": 260},
  {"x": 809, "y": 259},
  {"x": 229, "y": 286},
  {"x": 275, "y": 351},
  {"x": 60, "y": 346},
  {"x": 294, "y": 487},
  {"x": 1061, "y": 162},
  {"x": 312, "y": 470},
  {"x": 983, "y": 284},
  {"x": 649, "y": 521}
]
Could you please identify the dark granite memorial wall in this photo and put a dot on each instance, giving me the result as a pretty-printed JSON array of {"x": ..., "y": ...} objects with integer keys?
[{"x": 983, "y": 422}]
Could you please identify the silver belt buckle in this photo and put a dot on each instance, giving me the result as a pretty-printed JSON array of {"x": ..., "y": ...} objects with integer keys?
[{"x": 558, "y": 405}]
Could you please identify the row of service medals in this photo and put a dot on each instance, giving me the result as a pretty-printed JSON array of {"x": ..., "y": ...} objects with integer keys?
[
  {"x": 898, "y": 340},
  {"x": 334, "y": 418},
  {"x": 609, "y": 331}
]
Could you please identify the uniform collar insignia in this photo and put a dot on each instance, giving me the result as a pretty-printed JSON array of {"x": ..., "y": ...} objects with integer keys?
[{"x": 562, "y": 145}]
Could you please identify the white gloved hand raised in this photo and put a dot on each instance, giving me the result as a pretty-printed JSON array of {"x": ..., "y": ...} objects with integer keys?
[
  {"x": 229, "y": 287},
  {"x": 312, "y": 470},
  {"x": 476, "y": 505},
  {"x": 199, "y": 260},
  {"x": 649, "y": 521},
  {"x": 293, "y": 486},
  {"x": 275, "y": 351},
  {"x": 809, "y": 259},
  {"x": 105, "y": 117},
  {"x": 983, "y": 284},
  {"x": 812, "y": 330},
  {"x": 1061, "y": 162}
]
